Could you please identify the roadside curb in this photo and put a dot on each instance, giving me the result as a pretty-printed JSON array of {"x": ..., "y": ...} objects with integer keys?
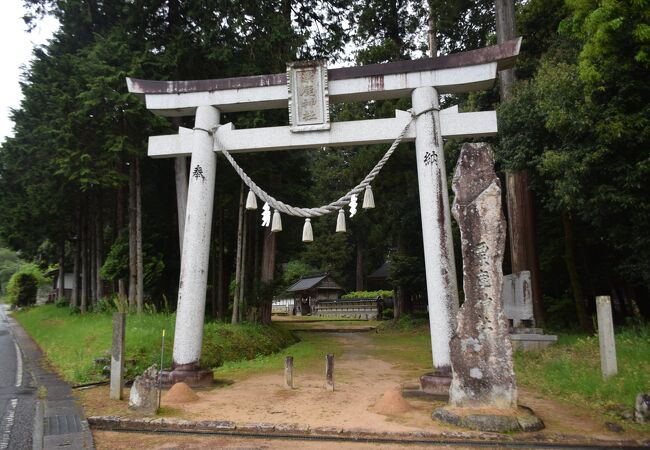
[
  {"x": 300, "y": 431},
  {"x": 59, "y": 419}
]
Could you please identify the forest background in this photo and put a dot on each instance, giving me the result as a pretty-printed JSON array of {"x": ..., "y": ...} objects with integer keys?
[{"x": 77, "y": 190}]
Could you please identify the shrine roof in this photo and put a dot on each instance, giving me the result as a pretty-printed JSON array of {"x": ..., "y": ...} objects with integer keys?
[
  {"x": 310, "y": 282},
  {"x": 381, "y": 272}
]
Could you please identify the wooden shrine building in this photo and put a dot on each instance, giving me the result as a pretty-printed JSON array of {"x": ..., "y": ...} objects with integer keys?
[{"x": 310, "y": 290}]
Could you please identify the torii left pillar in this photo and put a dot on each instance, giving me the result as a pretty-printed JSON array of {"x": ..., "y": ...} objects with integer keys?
[{"x": 192, "y": 288}]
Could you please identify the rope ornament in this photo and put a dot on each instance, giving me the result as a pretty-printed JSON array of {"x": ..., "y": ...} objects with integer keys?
[{"x": 335, "y": 206}]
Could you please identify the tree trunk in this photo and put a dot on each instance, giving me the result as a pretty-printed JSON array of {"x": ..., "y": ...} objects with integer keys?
[
  {"x": 180, "y": 170},
  {"x": 397, "y": 301},
  {"x": 74, "y": 298},
  {"x": 506, "y": 29},
  {"x": 242, "y": 273},
  {"x": 521, "y": 225},
  {"x": 83, "y": 300},
  {"x": 240, "y": 227},
  {"x": 256, "y": 256},
  {"x": 61, "y": 289},
  {"x": 133, "y": 275},
  {"x": 576, "y": 286},
  {"x": 521, "y": 207},
  {"x": 433, "y": 29},
  {"x": 99, "y": 248},
  {"x": 121, "y": 285},
  {"x": 359, "y": 271},
  {"x": 213, "y": 279},
  {"x": 138, "y": 238},
  {"x": 90, "y": 239},
  {"x": 267, "y": 275},
  {"x": 221, "y": 304},
  {"x": 214, "y": 269}
]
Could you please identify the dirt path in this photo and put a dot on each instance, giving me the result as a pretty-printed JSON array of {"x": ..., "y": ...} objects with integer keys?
[{"x": 360, "y": 379}]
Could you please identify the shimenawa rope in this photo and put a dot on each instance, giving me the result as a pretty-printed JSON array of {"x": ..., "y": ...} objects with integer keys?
[{"x": 282, "y": 207}]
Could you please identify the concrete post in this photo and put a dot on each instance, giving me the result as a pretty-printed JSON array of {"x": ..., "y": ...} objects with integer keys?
[
  {"x": 117, "y": 357},
  {"x": 606, "y": 337},
  {"x": 288, "y": 372},
  {"x": 329, "y": 372},
  {"x": 440, "y": 265},
  {"x": 196, "y": 251}
]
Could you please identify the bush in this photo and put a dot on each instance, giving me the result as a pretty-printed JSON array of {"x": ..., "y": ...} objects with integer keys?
[
  {"x": 368, "y": 294},
  {"x": 23, "y": 285}
]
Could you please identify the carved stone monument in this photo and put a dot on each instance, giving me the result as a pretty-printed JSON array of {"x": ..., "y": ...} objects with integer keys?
[
  {"x": 144, "y": 396},
  {"x": 481, "y": 352}
]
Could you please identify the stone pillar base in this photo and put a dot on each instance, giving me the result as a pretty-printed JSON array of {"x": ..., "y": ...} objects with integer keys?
[
  {"x": 437, "y": 382},
  {"x": 190, "y": 374},
  {"x": 485, "y": 419}
]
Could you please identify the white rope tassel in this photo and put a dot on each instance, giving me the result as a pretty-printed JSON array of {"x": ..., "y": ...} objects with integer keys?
[
  {"x": 251, "y": 201},
  {"x": 307, "y": 232},
  {"x": 368, "y": 198},
  {"x": 277, "y": 222},
  {"x": 340, "y": 222}
]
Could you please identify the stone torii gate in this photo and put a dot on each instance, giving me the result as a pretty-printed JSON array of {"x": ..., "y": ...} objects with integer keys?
[{"x": 307, "y": 88}]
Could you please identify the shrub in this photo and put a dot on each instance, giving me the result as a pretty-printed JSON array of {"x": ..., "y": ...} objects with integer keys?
[
  {"x": 368, "y": 294},
  {"x": 23, "y": 285}
]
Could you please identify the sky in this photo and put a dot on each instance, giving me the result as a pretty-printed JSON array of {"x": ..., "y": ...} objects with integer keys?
[{"x": 16, "y": 51}]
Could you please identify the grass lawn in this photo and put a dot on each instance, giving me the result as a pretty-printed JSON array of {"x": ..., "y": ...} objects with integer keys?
[
  {"x": 309, "y": 352},
  {"x": 73, "y": 341},
  {"x": 568, "y": 371},
  {"x": 571, "y": 370}
]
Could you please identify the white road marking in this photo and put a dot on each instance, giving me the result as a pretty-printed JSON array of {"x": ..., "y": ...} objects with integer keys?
[
  {"x": 7, "y": 423},
  {"x": 19, "y": 365}
]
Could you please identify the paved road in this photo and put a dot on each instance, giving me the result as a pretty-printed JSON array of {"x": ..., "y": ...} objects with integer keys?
[
  {"x": 38, "y": 410},
  {"x": 17, "y": 393}
]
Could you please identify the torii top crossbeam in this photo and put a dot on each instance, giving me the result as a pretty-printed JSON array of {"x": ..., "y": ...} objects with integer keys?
[{"x": 459, "y": 72}]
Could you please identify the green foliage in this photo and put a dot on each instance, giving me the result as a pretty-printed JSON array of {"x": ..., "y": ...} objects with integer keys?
[
  {"x": 368, "y": 294},
  {"x": 407, "y": 270},
  {"x": 309, "y": 350},
  {"x": 22, "y": 289},
  {"x": 23, "y": 285},
  {"x": 408, "y": 323},
  {"x": 72, "y": 341},
  {"x": 10, "y": 263},
  {"x": 223, "y": 342},
  {"x": 116, "y": 264},
  {"x": 580, "y": 126},
  {"x": 571, "y": 370},
  {"x": 292, "y": 272}
]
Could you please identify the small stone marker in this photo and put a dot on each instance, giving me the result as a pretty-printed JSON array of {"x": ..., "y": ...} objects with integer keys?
[
  {"x": 606, "y": 337},
  {"x": 481, "y": 352},
  {"x": 329, "y": 372},
  {"x": 288, "y": 372},
  {"x": 117, "y": 357},
  {"x": 145, "y": 396},
  {"x": 642, "y": 409},
  {"x": 517, "y": 298}
]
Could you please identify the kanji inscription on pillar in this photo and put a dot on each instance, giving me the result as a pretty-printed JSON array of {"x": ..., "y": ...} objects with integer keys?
[{"x": 308, "y": 96}]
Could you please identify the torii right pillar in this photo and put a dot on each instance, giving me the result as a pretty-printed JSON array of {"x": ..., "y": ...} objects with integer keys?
[{"x": 440, "y": 265}]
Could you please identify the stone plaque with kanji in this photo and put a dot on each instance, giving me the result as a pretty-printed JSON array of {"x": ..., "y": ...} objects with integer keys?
[{"x": 308, "y": 97}]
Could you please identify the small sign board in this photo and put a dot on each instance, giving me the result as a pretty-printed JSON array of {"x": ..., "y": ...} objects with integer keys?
[{"x": 308, "y": 96}]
